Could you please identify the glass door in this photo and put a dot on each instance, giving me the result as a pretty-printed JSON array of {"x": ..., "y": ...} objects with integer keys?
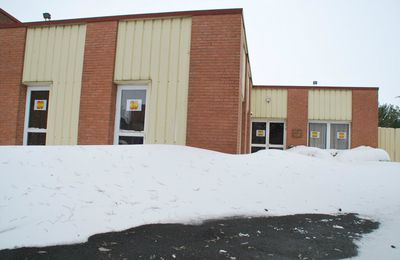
[
  {"x": 130, "y": 115},
  {"x": 258, "y": 136},
  {"x": 339, "y": 136},
  {"x": 317, "y": 135},
  {"x": 276, "y": 135},
  {"x": 37, "y": 103},
  {"x": 267, "y": 135}
]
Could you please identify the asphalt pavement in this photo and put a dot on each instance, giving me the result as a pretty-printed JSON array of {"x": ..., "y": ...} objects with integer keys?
[{"x": 306, "y": 236}]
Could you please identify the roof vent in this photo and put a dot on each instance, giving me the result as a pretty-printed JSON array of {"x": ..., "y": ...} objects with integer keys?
[{"x": 315, "y": 82}]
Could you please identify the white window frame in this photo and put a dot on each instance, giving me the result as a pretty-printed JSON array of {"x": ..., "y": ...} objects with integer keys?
[
  {"x": 328, "y": 131},
  {"x": 27, "y": 112},
  {"x": 117, "y": 131},
  {"x": 267, "y": 145}
]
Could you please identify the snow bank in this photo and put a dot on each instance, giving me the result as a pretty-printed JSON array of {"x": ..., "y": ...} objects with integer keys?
[
  {"x": 361, "y": 153},
  {"x": 313, "y": 152},
  {"x": 52, "y": 195}
]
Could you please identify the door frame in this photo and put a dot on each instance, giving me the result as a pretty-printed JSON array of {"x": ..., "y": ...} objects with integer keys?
[
  {"x": 27, "y": 130},
  {"x": 117, "y": 132},
  {"x": 267, "y": 129}
]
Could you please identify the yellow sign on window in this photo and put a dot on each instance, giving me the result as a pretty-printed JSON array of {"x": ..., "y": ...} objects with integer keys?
[
  {"x": 341, "y": 135},
  {"x": 134, "y": 105},
  {"x": 260, "y": 133},
  {"x": 40, "y": 105},
  {"x": 315, "y": 134}
]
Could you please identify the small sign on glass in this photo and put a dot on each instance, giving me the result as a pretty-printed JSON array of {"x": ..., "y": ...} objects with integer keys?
[
  {"x": 134, "y": 105},
  {"x": 260, "y": 133},
  {"x": 40, "y": 105},
  {"x": 315, "y": 134},
  {"x": 341, "y": 135}
]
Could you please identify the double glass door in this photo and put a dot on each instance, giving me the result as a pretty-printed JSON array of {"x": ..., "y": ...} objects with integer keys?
[
  {"x": 330, "y": 135},
  {"x": 267, "y": 135}
]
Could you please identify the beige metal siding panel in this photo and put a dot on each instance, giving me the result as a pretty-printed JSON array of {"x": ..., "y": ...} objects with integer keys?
[
  {"x": 128, "y": 50},
  {"x": 329, "y": 104},
  {"x": 154, "y": 74},
  {"x": 284, "y": 106},
  {"x": 76, "y": 94},
  {"x": 55, "y": 54},
  {"x": 158, "y": 50},
  {"x": 35, "y": 55},
  {"x": 183, "y": 82},
  {"x": 276, "y": 108},
  {"x": 387, "y": 141},
  {"x": 49, "y": 54},
  {"x": 138, "y": 49},
  {"x": 172, "y": 80},
  {"x": 42, "y": 52},
  {"x": 146, "y": 50},
  {"x": 163, "y": 73},
  {"x": 255, "y": 102},
  {"x": 397, "y": 145}
]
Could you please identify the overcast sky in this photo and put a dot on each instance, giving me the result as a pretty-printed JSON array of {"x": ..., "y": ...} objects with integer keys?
[{"x": 291, "y": 42}]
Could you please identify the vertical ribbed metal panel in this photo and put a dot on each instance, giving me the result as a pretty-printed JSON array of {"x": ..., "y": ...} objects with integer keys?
[
  {"x": 55, "y": 54},
  {"x": 332, "y": 104},
  {"x": 389, "y": 140},
  {"x": 269, "y": 103},
  {"x": 159, "y": 51}
]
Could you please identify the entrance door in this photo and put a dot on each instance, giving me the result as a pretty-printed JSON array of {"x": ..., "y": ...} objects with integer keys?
[
  {"x": 130, "y": 115},
  {"x": 276, "y": 135},
  {"x": 37, "y": 103},
  {"x": 267, "y": 135}
]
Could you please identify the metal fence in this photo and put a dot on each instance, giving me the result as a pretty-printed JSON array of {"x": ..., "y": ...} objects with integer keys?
[{"x": 389, "y": 140}]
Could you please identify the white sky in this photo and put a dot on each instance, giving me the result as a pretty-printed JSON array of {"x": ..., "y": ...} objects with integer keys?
[{"x": 291, "y": 42}]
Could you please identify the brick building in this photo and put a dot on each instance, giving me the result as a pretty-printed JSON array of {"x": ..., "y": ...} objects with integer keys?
[
  {"x": 168, "y": 78},
  {"x": 324, "y": 117}
]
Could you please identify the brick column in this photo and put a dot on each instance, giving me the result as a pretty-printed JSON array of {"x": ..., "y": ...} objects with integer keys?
[
  {"x": 12, "y": 92},
  {"x": 214, "y": 83},
  {"x": 97, "y": 105},
  {"x": 297, "y": 117},
  {"x": 364, "y": 127}
]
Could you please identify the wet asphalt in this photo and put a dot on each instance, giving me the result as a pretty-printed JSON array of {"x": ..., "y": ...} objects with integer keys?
[{"x": 305, "y": 236}]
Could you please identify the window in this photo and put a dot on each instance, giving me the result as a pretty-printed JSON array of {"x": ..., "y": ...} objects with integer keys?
[
  {"x": 329, "y": 135},
  {"x": 36, "y": 110},
  {"x": 267, "y": 135},
  {"x": 130, "y": 115}
]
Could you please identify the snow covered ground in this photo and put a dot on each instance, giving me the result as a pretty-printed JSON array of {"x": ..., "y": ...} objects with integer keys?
[{"x": 52, "y": 195}]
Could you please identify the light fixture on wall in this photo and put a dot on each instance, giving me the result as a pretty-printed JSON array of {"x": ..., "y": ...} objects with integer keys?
[
  {"x": 47, "y": 16},
  {"x": 268, "y": 100}
]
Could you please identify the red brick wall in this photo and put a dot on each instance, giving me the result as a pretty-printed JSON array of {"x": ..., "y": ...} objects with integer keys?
[
  {"x": 246, "y": 113},
  {"x": 97, "y": 105},
  {"x": 214, "y": 83},
  {"x": 364, "y": 127},
  {"x": 297, "y": 117},
  {"x": 5, "y": 19},
  {"x": 12, "y": 93},
  {"x": 248, "y": 131}
]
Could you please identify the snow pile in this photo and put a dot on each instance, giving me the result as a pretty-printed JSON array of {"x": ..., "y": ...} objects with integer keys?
[
  {"x": 361, "y": 153},
  {"x": 313, "y": 152},
  {"x": 53, "y": 195}
]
